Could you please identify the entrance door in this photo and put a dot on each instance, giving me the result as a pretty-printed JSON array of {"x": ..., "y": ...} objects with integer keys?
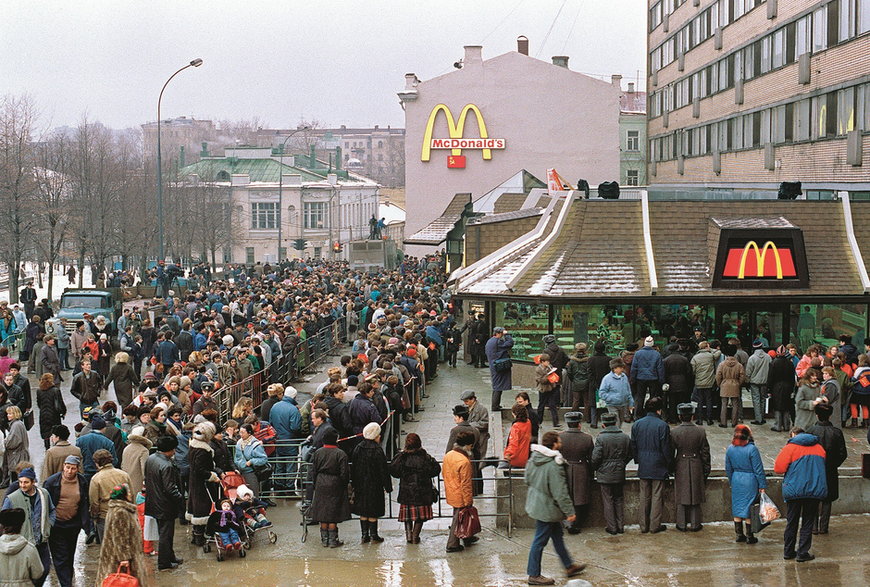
[{"x": 748, "y": 324}]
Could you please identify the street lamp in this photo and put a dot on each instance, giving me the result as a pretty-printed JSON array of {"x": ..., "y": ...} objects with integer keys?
[
  {"x": 281, "y": 187},
  {"x": 195, "y": 63}
]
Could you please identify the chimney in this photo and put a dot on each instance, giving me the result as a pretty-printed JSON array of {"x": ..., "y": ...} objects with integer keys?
[
  {"x": 411, "y": 81},
  {"x": 291, "y": 179},
  {"x": 560, "y": 60},
  {"x": 523, "y": 45},
  {"x": 630, "y": 87},
  {"x": 332, "y": 178},
  {"x": 473, "y": 55},
  {"x": 616, "y": 80}
]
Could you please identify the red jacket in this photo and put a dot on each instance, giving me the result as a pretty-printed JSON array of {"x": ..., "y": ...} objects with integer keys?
[{"x": 519, "y": 443}]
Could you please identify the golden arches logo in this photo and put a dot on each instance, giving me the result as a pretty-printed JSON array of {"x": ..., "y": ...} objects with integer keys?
[
  {"x": 455, "y": 130},
  {"x": 760, "y": 256}
]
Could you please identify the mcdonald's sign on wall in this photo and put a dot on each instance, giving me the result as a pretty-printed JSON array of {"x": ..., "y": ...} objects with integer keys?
[
  {"x": 763, "y": 258},
  {"x": 456, "y": 140}
]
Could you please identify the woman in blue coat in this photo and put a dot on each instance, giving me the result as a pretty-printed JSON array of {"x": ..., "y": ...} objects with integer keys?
[
  {"x": 746, "y": 475},
  {"x": 249, "y": 454}
]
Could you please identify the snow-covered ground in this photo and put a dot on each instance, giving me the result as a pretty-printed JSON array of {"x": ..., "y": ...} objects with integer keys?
[{"x": 60, "y": 282}]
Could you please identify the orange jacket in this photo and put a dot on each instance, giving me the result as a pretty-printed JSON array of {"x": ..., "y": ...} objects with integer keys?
[
  {"x": 519, "y": 442},
  {"x": 457, "y": 479}
]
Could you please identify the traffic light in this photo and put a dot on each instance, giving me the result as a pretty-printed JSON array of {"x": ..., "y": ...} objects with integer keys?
[
  {"x": 336, "y": 247},
  {"x": 299, "y": 244}
]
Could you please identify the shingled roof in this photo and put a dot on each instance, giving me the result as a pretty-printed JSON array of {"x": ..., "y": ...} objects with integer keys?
[{"x": 436, "y": 231}]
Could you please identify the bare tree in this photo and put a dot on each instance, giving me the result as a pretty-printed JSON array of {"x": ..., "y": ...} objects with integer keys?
[
  {"x": 53, "y": 162},
  {"x": 17, "y": 185}
]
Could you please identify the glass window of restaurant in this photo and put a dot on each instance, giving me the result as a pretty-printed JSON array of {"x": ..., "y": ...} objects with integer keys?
[
  {"x": 824, "y": 323},
  {"x": 527, "y": 324}
]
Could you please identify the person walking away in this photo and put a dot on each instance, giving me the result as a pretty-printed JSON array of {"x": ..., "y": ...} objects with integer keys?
[
  {"x": 415, "y": 468},
  {"x": 611, "y": 454},
  {"x": 51, "y": 406},
  {"x": 730, "y": 376},
  {"x": 39, "y": 515},
  {"x": 329, "y": 475},
  {"x": 832, "y": 394},
  {"x": 806, "y": 398},
  {"x": 746, "y": 476},
  {"x": 653, "y": 453},
  {"x": 615, "y": 391},
  {"x": 548, "y": 502},
  {"x": 287, "y": 421},
  {"x": 458, "y": 490},
  {"x": 801, "y": 462},
  {"x": 559, "y": 360},
  {"x": 578, "y": 375},
  {"x": 50, "y": 360},
  {"x": 134, "y": 456},
  {"x": 545, "y": 375},
  {"x": 55, "y": 457},
  {"x": 647, "y": 375},
  {"x": 20, "y": 563},
  {"x": 758, "y": 373},
  {"x": 68, "y": 490},
  {"x": 780, "y": 382},
  {"x": 678, "y": 377},
  {"x": 101, "y": 486},
  {"x": 577, "y": 451},
  {"x": 125, "y": 378},
  {"x": 370, "y": 477},
  {"x": 832, "y": 440},
  {"x": 599, "y": 367},
  {"x": 498, "y": 353},
  {"x": 163, "y": 501},
  {"x": 123, "y": 541},
  {"x": 704, "y": 364},
  {"x": 691, "y": 469}
]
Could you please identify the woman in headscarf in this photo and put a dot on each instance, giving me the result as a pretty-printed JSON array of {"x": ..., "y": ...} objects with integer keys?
[
  {"x": 122, "y": 539},
  {"x": 104, "y": 355},
  {"x": 745, "y": 473},
  {"x": 371, "y": 479}
]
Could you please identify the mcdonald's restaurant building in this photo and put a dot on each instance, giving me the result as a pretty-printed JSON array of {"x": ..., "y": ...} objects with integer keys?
[
  {"x": 786, "y": 271},
  {"x": 469, "y": 130}
]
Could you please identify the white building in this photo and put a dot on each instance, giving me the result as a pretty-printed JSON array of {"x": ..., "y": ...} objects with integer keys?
[{"x": 310, "y": 200}]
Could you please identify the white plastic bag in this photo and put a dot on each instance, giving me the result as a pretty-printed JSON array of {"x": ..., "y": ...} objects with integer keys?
[{"x": 768, "y": 510}]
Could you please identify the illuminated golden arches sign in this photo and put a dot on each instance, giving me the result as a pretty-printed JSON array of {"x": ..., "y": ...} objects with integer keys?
[
  {"x": 754, "y": 262},
  {"x": 455, "y": 130}
]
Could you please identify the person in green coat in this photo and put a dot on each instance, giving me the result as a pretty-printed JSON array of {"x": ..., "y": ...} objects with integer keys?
[{"x": 548, "y": 502}]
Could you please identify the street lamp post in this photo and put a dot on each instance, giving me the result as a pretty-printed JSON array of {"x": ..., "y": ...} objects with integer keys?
[
  {"x": 281, "y": 189},
  {"x": 195, "y": 63}
]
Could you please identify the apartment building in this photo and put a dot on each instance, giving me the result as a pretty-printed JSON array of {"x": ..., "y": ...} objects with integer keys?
[{"x": 745, "y": 94}]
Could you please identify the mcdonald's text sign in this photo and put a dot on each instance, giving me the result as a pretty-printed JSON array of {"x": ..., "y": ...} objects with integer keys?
[
  {"x": 761, "y": 259},
  {"x": 456, "y": 140}
]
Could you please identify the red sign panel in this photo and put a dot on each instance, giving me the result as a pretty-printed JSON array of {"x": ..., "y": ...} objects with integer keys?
[
  {"x": 456, "y": 161},
  {"x": 754, "y": 262}
]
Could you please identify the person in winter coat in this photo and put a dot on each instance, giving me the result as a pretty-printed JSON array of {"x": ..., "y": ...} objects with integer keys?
[
  {"x": 781, "y": 379},
  {"x": 123, "y": 540},
  {"x": 477, "y": 333},
  {"x": 577, "y": 451},
  {"x": 163, "y": 500},
  {"x": 801, "y": 462},
  {"x": 55, "y": 457},
  {"x": 52, "y": 408},
  {"x": 17, "y": 441},
  {"x": 134, "y": 456},
  {"x": 806, "y": 398},
  {"x": 519, "y": 441},
  {"x": 651, "y": 446},
  {"x": 20, "y": 562},
  {"x": 545, "y": 373},
  {"x": 49, "y": 358},
  {"x": 678, "y": 377},
  {"x": 498, "y": 353},
  {"x": 559, "y": 360},
  {"x": 611, "y": 454},
  {"x": 704, "y": 364},
  {"x": 758, "y": 374},
  {"x": 831, "y": 439},
  {"x": 691, "y": 469},
  {"x": 730, "y": 376},
  {"x": 578, "y": 376},
  {"x": 71, "y": 515},
  {"x": 832, "y": 394},
  {"x": 647, "y": 374},
  {"x": 125, "y": 378},
  {"x": 458, "y": 489},
  {"x": 329, "y": 475},
  {"x": 615, "y": 391},
  {"x": 203, "y": 488},
  {"x": 249, "y": 454},
  {"x": 415, "y": 468},
  {"x": 86, "y": 387},
  {"x": 370, "y": 477},
  {"x": 285, "y": 418},
  {"x": 548, "y": 502},
  {"x": 745, "y": 474}
]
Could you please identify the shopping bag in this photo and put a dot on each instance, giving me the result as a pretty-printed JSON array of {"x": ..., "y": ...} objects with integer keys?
[
  {"x": 768, "y": 510},
  {"x": 468, "y": 522},
  {"x": 755, "y": 522},
  {"x": 122, "y": 578}
]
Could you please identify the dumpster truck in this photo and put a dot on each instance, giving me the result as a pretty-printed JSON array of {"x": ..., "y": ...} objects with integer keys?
[{"x": 75, "y": 303}]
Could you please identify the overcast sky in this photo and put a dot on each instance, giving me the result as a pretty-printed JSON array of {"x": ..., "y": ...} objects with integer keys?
[{"x": 336, "y": 61}]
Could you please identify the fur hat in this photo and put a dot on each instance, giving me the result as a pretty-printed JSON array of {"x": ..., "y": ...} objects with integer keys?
[
  {"x": 167, "y": 443},
  {"x": 137, "y": 431},
  {"x": 372, "y": 431},
  {"x": 204, "y": 431}
]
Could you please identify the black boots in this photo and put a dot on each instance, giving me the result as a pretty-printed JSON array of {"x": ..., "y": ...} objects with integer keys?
[
  {"x": 198, "y": 538},
  {"x": 334, "y": 542},
  {"x": 364, "y": 526},
  {"x": 373, "y": 531},
  {"x": 324, "y": 537},
  {"x": 738, "y": 528},
  {"x": 409, "y": 532},
  {"x": 750, "y": 537},
  {"x": 415, "y": 533}
]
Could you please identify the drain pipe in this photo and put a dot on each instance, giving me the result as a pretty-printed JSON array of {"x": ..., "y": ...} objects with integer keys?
[
  {"x": 853, "y": 242},
  {"x": 647, "y": 244}
]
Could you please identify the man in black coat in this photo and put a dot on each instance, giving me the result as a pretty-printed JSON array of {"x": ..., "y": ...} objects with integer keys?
[
  {"x": 651, "y": 446},
  {"x": 691, "y": 468},
  {"x": 831, "y": 439},
  {"x": 70, "y": 519},
  {"x": 599, "y": 366},
  {"x": 577, "y": 451},
  {"x": 164, "y": 499},
  {"x": 28, "y": 298},
  {"x": 679, "y": 379},
  {"x": 612, "y": 452},
  {"x": 478, "y": 334}
]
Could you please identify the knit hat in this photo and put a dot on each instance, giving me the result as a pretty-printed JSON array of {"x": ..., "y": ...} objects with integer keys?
[
  {"x": 757, "y": 344},
  {"x": 97, "y": 423},
  {"x": 12, "y": 518},
  {"x": 183, "y": 382},
  {"x": 138, "y": 431},
  {"x": 228, "y": 340},
  {"x": 167, "y": 443},
  {"x": 372, "y": 431},
  {"x": 244, "y": 492},
  {"x": 548, "y": 339},
  {"x": 649, "y": 341},
  {"x": 119, "y": 492},
  {"x": 290, "y": 392},
  {"x": 28, "y": 473}
]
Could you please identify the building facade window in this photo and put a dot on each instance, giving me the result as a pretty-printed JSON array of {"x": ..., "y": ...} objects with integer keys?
[
  {"x": 264, "y": 216},
  {"x": 314, "y": 215},
  {"x": 632, "y": 140},
  {"x": 632, "y": 177}
]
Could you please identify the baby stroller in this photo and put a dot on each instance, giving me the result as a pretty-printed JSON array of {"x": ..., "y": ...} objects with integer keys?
[
  {"x": 248, "y": 509},
  {"x": 211, "y": 531}
]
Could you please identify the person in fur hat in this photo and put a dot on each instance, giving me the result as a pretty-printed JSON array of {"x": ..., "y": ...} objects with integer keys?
[
  {"x": 203, "y": 486},
  {"x": 122, "y": 539}
]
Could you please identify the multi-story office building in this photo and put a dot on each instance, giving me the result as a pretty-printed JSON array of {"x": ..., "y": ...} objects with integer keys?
[{"x": 745, "y": 94}]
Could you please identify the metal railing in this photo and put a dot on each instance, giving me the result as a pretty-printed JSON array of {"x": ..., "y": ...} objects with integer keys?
[{"x": 11, "y": 341}]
